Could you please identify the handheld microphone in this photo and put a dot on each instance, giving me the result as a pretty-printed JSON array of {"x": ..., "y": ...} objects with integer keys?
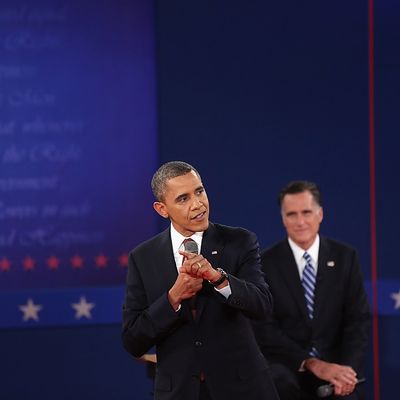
[
  {"x": 327, "y": 390},
  {"x": 191, "y": 247}
]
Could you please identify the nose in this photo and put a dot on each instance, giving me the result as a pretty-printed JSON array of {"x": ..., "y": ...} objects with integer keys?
[{"x": 196, "y": 203}]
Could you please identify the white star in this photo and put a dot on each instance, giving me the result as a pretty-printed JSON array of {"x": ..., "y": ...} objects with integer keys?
[
  {"x": 396, "y": 298},
  {"x": 83, "y": 308},
  {"x": 30, "y": 310}
]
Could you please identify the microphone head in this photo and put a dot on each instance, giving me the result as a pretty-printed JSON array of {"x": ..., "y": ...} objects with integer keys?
[
  {"x": 191, "y": 247},
  {"x": 324, "y": 390}
]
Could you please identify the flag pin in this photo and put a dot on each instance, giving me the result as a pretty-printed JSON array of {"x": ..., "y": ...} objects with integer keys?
[
  {"x": 214, "y": 252},
  {"x": 330, "y": 263}
]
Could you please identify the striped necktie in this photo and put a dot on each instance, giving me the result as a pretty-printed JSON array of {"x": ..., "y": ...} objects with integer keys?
[{"x": 308, "y": 283}]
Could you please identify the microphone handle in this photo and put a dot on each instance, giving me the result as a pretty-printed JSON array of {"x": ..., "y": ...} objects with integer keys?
[{"x": 327, "y": 390}]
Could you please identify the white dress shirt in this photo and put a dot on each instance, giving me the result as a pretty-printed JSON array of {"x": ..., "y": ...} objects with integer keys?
[{"x": 298, "y": 253}]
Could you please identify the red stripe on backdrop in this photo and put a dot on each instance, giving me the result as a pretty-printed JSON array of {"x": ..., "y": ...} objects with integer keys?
[{"x": 374, "y": 270}]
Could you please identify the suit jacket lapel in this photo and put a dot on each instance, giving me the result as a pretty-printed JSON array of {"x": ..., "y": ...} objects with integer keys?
[
  {"x": 323, "y": 283},
  {"x": 164, "y": 260},
  {"x": 211, "y": 248},
  {"x": 212, "y": 245}
]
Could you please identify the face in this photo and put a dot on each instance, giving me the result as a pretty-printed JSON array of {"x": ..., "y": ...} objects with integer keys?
[
  {"x": 185, "y": 203},
  {"x": 301, "y": 216}
]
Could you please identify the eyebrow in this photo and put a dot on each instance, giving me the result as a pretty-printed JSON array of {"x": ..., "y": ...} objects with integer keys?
[
  {"x": 306, "y": 210},
  {"x": 181, "y": 196}
]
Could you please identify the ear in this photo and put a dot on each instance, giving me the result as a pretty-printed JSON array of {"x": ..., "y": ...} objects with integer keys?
[
  {"x": 161, "y": 209},
  {"x": 283, "y": 218},
  {"x": 321, "y": 214}
]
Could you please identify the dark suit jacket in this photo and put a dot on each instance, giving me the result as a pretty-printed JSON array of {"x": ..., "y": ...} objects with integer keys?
[
  {"x": 340, "y": 327},
  {"x": 220, "y": 342}
]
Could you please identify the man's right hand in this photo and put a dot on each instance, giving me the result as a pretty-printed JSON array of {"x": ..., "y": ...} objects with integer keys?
[
  {"x": 184, "y": 287},
  {"x": 342, "y": 377}
]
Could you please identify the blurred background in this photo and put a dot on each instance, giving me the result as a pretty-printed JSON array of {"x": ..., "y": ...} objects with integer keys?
[{"x": 95, "y": 95}]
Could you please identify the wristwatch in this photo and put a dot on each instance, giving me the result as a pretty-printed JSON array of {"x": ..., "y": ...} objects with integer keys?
[{"x": 224, "y": 276}]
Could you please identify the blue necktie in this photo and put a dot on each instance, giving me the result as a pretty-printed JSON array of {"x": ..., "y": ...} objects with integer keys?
[{"x": 308, "y": 283}]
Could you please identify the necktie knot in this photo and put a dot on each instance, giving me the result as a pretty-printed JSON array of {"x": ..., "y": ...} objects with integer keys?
[{"x": 307, "y": 257}]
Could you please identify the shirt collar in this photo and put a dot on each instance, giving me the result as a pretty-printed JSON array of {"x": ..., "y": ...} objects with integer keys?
[{"x": 298, "y": 252}]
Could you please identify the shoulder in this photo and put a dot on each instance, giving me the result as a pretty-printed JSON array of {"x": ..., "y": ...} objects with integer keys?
[
  {"x": 278, "y": 249},
  {"x": 233, "y": 233},
  {"x": 150, "y": 245},
  {"x": 336, "y": 246}
]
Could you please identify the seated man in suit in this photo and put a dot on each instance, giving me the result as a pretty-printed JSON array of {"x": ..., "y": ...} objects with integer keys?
[
  {"x": 197, "y": 308},
  {"x": 318, "y": 332}
]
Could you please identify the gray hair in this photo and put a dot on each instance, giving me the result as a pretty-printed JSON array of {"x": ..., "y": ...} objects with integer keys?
[{"x": 167, "y": 171}]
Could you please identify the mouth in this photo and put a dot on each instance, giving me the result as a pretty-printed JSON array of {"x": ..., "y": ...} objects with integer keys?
[
  {"x": 301, "y": 231},
  {"x": 199, "y": 217}
]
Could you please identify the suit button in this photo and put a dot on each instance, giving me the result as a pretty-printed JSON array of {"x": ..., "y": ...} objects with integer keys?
[{"x": 197, "y": 343}]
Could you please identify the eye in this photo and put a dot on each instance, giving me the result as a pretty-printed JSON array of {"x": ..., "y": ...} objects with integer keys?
[
  {"x": 181, "y": 199},
  {"x": 199, "y": 191}
]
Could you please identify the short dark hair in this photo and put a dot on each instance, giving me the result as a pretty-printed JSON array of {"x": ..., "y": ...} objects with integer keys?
[
  {"x": 167, "y": 171},
  {"x": 300, "y": 187}
]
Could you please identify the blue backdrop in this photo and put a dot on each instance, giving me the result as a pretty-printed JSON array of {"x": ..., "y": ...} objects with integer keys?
[{"x": 78, "y": 145}]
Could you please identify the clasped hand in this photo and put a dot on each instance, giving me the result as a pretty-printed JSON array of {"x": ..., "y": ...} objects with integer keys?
[
  {"x": 342, "y": 377},
  {"x": 196, "y": 266},
  {"x": 193, "y": 271}
]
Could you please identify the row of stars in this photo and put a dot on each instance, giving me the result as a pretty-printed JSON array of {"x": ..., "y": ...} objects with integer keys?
[
  {"x": 396, "y": 297},
  {"x": 30, "y": 310},
  {"x": 53, "y": 262},
  {"x": 83, "y": 309}
]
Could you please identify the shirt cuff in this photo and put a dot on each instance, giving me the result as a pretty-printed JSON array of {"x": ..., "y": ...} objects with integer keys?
[
  {"x": 179, "y": 307},
  {"x": 225, "y": 291}
]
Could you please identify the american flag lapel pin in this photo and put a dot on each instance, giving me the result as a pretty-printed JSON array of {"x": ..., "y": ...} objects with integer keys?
[
  {"x": 214, "y": 252},
  {"x": 330, "y": 263}
]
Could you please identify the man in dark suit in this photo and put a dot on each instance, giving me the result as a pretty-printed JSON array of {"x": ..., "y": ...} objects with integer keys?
[
  {"x": 318, "y": 332},
  {"x": 196, "y": 308}
]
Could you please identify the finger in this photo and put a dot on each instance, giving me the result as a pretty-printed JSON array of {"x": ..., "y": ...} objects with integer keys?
[
  {"x": 339, "y": 390},
  {"x": 195, "y": 268},
  {"x": 350, "y": 371},
  {"x": 197, "y": 264},
  {"x": 199, "y": 267},
  {"x": 188, "y": 256},
  {"x": 349, "y": 379}
]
